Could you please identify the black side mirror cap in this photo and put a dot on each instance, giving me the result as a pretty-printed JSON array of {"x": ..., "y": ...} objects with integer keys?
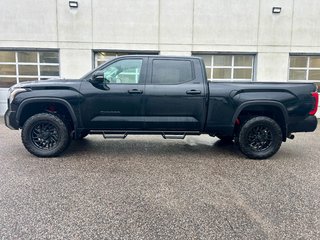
[{"x": 98, "y": 76}]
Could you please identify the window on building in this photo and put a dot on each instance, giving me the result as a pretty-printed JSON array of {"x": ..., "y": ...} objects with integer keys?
[
  {"x": 101, "y": 57},
  {"x": 19, "y": 66},
  {"x": 171, "y": 71},
  {"x": 305, "y": 68},
  {"x": 229, "y": 67}
]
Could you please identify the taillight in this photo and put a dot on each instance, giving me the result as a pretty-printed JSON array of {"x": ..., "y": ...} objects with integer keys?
[{"x": 315, "y": 107}]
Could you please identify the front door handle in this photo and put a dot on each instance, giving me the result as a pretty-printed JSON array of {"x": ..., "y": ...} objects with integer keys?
[
  {"x": 135, "y": 91},
  {"x": 193, "y": 92}
]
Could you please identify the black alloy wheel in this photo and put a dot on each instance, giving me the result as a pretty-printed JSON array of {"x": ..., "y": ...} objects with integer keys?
[
  {"x": 45, "y": 135},
  {"x": 260, "y": 137}
]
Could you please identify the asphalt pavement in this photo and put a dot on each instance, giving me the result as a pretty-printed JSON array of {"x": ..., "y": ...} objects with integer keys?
[{"x": 145, "y": 187}]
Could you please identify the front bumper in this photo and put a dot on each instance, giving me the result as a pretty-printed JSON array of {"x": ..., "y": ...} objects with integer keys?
[
  {"x": 10, "y": 120},
  {"x": 308, "y": 124}
]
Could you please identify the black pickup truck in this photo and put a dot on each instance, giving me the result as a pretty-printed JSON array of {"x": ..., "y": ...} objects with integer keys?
[{"x": 159, "y": 95}]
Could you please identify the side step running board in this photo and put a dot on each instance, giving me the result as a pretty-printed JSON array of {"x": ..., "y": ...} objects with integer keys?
[
  {"x": 107, "y": 135},
  {"x": 168, "y": 136}
]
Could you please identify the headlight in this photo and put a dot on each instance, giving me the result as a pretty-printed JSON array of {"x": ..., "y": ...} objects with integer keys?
[{"x": 14, "y": 93}]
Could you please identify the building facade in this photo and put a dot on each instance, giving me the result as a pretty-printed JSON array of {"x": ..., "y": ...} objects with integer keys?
[{"x": 240, "y": 40}]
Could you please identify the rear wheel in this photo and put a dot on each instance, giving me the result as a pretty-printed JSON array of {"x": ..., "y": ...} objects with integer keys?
[
  {"x": 260, "y": 137},
  {"x": 45, "y": 135}
]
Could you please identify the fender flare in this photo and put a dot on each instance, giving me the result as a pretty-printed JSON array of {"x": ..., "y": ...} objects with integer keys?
[
  {"x": 263, "y": 103},
  {"x": 48, "y": 99}
]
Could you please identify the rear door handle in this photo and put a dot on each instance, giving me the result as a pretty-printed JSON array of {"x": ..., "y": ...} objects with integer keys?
[
  {"x": 193, "y": 91},
  {"x": 135, "y": 91}
]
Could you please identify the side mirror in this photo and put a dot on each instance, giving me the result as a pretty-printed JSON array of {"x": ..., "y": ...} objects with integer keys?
[{"x": 98, "y": 76}]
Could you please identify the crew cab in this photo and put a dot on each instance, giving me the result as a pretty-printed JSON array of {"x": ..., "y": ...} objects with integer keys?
[{"x": 164, "y": 95}]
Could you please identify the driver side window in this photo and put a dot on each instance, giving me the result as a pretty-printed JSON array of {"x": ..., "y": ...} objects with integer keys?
[{"x": 123, "y": 72}]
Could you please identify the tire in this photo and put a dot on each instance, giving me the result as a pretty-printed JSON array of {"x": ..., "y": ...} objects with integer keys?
[
  {"x": 225, "y": 139},
  {"x": 260, "y": 138},
  {"x": 45, "y": 135}
]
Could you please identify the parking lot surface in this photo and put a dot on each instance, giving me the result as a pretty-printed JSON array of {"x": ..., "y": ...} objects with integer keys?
[{"x": 145, "y": 187}]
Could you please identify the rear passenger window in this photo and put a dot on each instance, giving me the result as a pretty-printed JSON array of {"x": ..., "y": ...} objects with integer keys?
[{"x": 171, "y": 71}]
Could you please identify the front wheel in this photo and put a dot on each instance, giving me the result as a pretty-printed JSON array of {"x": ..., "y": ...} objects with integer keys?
[
  {"x": 260, "y": 138},
  {"x": 45, "y": 135}
]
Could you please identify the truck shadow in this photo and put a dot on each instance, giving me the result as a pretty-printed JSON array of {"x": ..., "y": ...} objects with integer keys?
[{"x": 191, "y": 147}]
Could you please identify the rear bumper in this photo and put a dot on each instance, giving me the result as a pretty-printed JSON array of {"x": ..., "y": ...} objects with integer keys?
[
  {"x": 309, "y": 124},
  {"x": 10, "y": 120}
]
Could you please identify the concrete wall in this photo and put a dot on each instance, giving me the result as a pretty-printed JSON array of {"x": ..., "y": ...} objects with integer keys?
[
  {"x": 177, "y": 27},
  {"x": 172, "y": 27}
]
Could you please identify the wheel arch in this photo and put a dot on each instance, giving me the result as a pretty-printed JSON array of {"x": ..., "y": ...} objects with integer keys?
[
  {"x": 22, "y": 113},
  {"x": 272, "y": 109}
]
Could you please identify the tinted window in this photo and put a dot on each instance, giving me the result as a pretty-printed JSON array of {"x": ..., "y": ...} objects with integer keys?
[
  {"x": 171, "y": 71},
  {"x": 123, "y": 71}
]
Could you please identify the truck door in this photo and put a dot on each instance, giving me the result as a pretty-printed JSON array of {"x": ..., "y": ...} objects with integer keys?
[
  {"x": 175, "y": 95},
  {"x": 116, "y": 103}
]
